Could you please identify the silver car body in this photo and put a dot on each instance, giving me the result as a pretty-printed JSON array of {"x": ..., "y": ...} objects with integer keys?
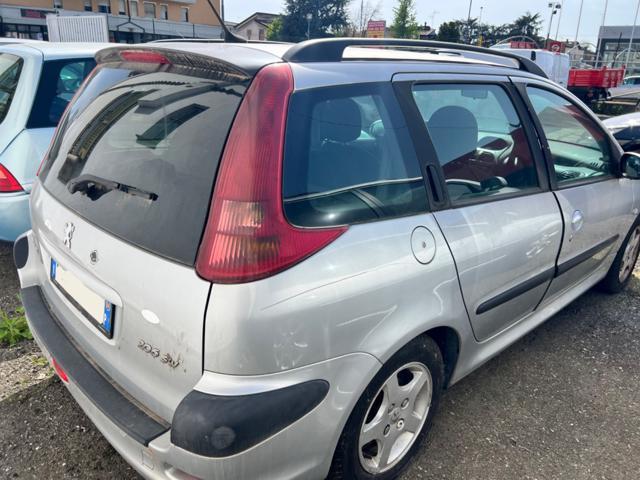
[
  {"x": 22, "y": 148},
  {"x": 338, "y": 315}
]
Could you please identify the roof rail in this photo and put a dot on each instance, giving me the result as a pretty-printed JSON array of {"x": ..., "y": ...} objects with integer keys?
[{"x": 332, "y": 50}]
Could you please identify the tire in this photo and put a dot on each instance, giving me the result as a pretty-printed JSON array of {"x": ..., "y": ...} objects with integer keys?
[
  {"x": 621, "y": 270},
  {"x": 417, "y": 367}
]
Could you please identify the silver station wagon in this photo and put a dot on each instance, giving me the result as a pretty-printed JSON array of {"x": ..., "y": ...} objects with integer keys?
[{"x": 267, "y": 261}]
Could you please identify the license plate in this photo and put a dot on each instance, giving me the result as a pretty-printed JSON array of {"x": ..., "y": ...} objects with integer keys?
[{"x": 96, "y": 309}]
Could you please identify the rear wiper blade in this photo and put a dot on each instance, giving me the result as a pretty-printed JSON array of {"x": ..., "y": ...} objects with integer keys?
[{"x": 94, "y": 187}]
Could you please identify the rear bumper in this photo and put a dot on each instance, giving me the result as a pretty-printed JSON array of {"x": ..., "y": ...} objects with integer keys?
[
  {"x": 14, "y": 215},
  {"x": 282, "y": 426}
]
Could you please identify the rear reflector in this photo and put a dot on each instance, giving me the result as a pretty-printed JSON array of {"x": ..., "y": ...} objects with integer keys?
[
  {"x": 8, "y": 182},
  {"x": 142, "y": 56},
  {"x": 247, "y": 235},
  {"x": 61, "y": 373}
]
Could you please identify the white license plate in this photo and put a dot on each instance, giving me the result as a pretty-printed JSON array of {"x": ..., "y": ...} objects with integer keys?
[{"x": 96, "y": 309}]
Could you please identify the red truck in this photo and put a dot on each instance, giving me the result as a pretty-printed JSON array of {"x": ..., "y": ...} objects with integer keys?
[{"x": 591, "y": 84}]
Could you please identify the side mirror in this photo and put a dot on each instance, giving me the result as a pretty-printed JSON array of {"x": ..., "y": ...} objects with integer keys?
[{"x": 630, "y": 165}]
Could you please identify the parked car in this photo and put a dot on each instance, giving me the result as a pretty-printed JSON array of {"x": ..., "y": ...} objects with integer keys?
[
  {"x": 37, "y": 81},
  {"x": 267, "y": 261},
  {"x": 630, "y": 86},
  {"x": 626, "y": 130}
]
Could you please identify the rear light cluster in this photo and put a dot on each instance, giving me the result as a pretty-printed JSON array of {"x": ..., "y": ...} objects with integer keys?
[
  {"x": 247, "y": 236},
  {"x": 8, "y": 182}
]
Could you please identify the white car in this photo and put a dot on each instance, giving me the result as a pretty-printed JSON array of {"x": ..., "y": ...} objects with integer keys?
[
  {"x": 630, "y": 86},
  {"x": 37, "y": 81}
]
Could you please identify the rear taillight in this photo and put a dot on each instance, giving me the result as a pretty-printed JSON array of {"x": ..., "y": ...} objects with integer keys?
[
  {"x": 247, "y": 235},
  {"x": 8, "y": 182}
]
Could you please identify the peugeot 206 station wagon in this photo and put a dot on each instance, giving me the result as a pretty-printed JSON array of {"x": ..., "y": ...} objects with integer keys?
[{"x": 267, "y": 260}]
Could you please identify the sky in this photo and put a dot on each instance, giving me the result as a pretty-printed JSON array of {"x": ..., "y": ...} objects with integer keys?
[{"x": 619, "y": 12}]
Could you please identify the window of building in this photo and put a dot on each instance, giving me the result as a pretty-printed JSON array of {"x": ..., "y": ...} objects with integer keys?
[
  {"x": 579, "y": 148},
  {"x": 184, "y": 14},
  {"x": 249, "y": 34},
  {"x": 164, "y": 12},
  {"x": 133, "y": 7},
  {"x": 149, "y": 9},
  {"x": 479, "y": 139},
  {"x": 261, "y": 34},
  {"x": 349, "y": 158},
  {"x": 122, "y": 7},
  {"x": 87, "y": 6},
  {"x": 104, "y": 7},
  {"x": 57, "y": 4}
]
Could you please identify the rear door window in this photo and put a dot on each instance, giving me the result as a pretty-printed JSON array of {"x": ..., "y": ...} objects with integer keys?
[
  {"x": 59, "y": 81},
  {"x": 138, "y": 155},
  {"x": 480, "y": 141},
  {"x": 349, "y": 158},
  {"x": 10, "y": 68}
]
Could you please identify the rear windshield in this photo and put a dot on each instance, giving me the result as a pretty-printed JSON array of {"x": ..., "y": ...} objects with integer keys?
[
  {"x": 137, "y": 153},
  {"x": 58, "y": 83},
  {"x": 10, "y": 68}
]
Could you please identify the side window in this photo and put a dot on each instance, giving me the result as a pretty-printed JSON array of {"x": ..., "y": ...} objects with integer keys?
[
  {"x": 349, "y": 158},
  {"x": 479, "y": 139},
  {"x": 58, "y": 84},
  {"x": 579, "y": 148}
]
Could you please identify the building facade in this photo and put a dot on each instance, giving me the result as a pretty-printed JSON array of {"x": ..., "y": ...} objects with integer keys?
[
  {"x": 613, "y": 45},
  {"x": 255, "y": 27},
  {"x": 129, "y": 21}
]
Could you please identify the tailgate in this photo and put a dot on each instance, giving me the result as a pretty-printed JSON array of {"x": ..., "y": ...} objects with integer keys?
[
  {"x": 119, "y": 213},
  {"x": 155, "y": 353}
]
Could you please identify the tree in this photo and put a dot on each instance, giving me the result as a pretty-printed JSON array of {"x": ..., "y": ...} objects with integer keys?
[
  {"x": 527, "y": 24},
  {"x": 328, "y": 17},
  {"x": 495, "y": 33},
  {"x": 274, "y": 30},
  {"x": 449, "y": 32},
  {"x": 404, "y": 20},
  {"x": 362, "y": 15}
]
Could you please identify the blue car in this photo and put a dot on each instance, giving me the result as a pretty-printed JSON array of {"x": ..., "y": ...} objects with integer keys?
[{"x": 37, "y": 81}]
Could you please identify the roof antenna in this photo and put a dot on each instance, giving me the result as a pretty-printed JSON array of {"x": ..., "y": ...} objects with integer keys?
[{"x": 229, "y": 36}]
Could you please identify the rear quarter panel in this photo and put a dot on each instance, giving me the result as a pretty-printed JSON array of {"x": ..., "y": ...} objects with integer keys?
[{"x": 363, "y": 293}]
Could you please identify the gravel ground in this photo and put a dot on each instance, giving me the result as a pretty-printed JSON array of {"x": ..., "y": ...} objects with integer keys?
[{"x": 562, "y": 403}]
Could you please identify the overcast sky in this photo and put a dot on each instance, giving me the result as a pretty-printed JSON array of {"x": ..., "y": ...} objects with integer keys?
[{"x": 620, "y": 12}]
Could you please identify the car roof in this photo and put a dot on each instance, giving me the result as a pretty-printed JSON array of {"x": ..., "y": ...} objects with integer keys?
[
  {"x": 55, "y": 50},
  {"x": 252, "y": 56}
]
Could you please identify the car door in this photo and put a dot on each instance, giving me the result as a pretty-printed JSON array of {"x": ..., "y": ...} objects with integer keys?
[
  {"x": 494, "y": 207},
  {"x": 596, "y": 203}
]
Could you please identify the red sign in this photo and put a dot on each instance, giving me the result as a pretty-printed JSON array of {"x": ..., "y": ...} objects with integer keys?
[
  {"x": 376, "y": 28},
  {"x": 556, "y": 47},
  {"x": 30, "y": 13}
]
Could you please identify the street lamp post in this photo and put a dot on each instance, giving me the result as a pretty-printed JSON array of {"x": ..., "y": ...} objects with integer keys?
[
  {"x": 559, "y": 19},
  {"x": 469, "y": 21},
  {"x": 309, "y": 18},
  {"x": 579, "y": 20},
  {"x": 554, "y": 9},
  {"x": 600, "y": 54},
  {"x": 633, "y": 32}
]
